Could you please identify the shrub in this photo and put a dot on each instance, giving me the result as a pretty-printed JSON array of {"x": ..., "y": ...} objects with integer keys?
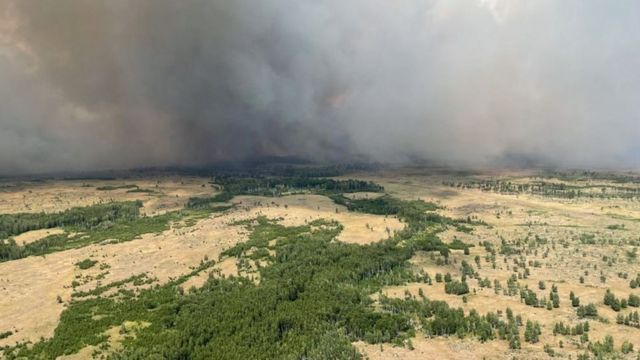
[{"x": 86, "y": 264}]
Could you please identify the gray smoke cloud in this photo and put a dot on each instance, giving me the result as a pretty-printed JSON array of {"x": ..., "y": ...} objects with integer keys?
[{"x": 88, "y": 84}]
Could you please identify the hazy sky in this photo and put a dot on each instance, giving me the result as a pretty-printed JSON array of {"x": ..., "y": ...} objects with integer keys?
[{"x": 88, "y": 84}]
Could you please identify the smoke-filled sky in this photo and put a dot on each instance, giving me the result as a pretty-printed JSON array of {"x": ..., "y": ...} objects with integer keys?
[{"x": 88, "y": 84}]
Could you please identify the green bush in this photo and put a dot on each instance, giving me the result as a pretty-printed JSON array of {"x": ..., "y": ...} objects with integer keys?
[
  {"x": 456, "y": 287},
  {"x": 86, "y": 264}
]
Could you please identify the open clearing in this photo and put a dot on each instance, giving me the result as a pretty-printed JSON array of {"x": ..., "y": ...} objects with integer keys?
[
  {"x": 36, "y": 235},
  {"x": 159, "y": 194},
  {"x": 301, "y": 209}
]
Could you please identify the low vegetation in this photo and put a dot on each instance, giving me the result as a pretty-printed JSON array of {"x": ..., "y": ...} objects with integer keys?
[{"x": 86, "y": 264}]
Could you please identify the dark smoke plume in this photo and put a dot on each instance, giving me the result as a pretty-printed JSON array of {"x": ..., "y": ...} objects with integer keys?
[{"x": 88, "y": 84}]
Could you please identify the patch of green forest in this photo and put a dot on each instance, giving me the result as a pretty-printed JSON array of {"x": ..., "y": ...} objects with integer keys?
[
  {"x": 114, "y": 222},
  {"x": 84, "y": 217},
  {"x": 550, "y": 189},
  {"x": 277, "y": 186}
]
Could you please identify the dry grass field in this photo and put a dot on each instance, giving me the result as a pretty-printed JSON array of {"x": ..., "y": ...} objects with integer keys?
[
  {"x": 159, "y": 194},
  {"x": 563, "y": 260},
  {"x": 583, "y": 245}
]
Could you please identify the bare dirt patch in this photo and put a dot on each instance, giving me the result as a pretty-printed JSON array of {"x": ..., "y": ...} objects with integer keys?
[{"x": 363, "y": 195}]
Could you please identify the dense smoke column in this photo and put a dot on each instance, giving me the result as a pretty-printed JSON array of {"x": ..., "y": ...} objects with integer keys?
[{"x": 90, "y": 85}]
